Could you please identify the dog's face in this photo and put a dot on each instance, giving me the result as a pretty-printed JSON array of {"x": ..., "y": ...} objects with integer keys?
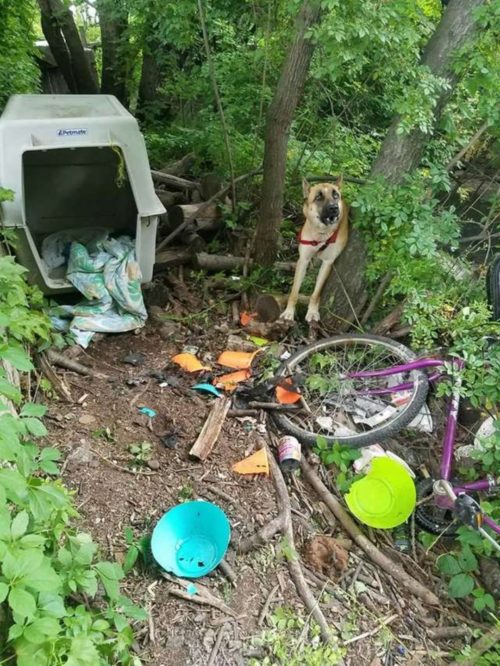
[{"x": 323, "y": 202}]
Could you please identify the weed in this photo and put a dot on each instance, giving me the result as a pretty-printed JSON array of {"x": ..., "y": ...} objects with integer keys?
[
  {"x": 142, "y": 453},
  {"x": 138, "y": 549},
  {"x": 186, "y": 493}
]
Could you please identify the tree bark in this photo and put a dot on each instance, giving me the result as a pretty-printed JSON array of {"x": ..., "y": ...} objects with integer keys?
[
  {"x": 149, "y": 81},
  {"x": 57, "y": 44},
  {"x": 62, "y": 22},
  {"x": 279, "y": 120},
  {"x": 401, "y": 153},
  {"x": 113, "y": 21}
]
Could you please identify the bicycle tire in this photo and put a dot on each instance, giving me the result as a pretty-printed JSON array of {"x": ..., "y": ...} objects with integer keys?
[
  {"x": 308, "y": 437},
  {"x": 493, "y": 284}
]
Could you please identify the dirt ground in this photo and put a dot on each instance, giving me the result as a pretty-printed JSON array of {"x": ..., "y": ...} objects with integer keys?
[{"x": 376, "y": 621}]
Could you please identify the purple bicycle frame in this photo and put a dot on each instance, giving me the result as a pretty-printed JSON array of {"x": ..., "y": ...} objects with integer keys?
[{"x": 451, "y": 421}]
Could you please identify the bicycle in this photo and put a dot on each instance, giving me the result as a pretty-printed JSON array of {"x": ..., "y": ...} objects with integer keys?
[{"x": 360, "y": 389}]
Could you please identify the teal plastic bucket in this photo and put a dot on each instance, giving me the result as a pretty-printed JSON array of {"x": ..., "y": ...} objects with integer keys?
[{"x": 191, "y": 539}]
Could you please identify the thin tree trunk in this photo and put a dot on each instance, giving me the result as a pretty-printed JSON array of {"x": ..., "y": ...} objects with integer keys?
[
  {"x": 401, "y": 153},
  {"x": 279, "y": 120},
  {"x": 57, "y": 44},
  {"x": 148, "y": 84},
  {"x": 82, "y": 71},
  {"x": 113, "y": 21}
]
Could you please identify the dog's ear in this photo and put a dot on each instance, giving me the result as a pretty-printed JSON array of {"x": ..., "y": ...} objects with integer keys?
[
  {"x": 305, "y": 188},
  {"x": 340, "y": 181}
]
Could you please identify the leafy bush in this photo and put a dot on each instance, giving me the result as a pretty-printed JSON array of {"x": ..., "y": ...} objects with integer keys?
[{"x": 59, "y": 603}]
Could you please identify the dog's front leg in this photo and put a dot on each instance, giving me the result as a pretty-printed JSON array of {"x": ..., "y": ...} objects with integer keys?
[
  {"x": 313, "y": 309},
  {"x": 300, "y": 272}
]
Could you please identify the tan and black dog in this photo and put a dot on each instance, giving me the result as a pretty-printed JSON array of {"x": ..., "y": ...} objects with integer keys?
[{"x": 324, "y": 235}]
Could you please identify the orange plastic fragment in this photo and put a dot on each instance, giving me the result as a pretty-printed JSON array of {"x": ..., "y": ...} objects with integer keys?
[
  {"x": 286, "y": 397},
  {"x": 237, "y": 359},
  {"x": 257, "y": 463},
  {"x": 230, "y": 381},
  {"x": 246, "y": 317},
  {"x": 189, "y": 362}
]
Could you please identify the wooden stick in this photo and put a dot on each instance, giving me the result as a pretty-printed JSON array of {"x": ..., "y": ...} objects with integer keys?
[
  {"x": 211, "y": 429},
  {"x": 58, "y": 384},
  {"x": 216, "y": 647},
  {"x": 487, "y": 640},
  {"x": 202, "y": 596},
  {"x": 395, "y": 570},
  {"x": 378, "y": 295},
  {"x": 174, "y": 181},
  {"x": 228, "y": 572},
  {"x": 265, "y": 608},
  {"x": 70, "y": 364}
]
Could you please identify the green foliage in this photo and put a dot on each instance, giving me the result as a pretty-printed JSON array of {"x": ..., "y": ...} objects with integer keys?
[
  {"x": 341, "y": 457},
  {"x": 18, "y": 69},
  {"x": 142, "y": 453},
  {"x": 138, "y": 548},
  {"x": 285, "y": 644},
  {"x": 50, "y": 573}
]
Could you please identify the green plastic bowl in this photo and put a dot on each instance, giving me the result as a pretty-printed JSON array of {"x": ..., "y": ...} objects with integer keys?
[{"x": 385, "y": 497}]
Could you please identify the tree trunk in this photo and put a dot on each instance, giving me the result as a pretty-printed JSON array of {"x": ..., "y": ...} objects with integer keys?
[
  {"x": 401, "y": 153},
  {"x": 57, "y": 44},
  {"x": 113, "y": 21},
  {"x": 82, "y": 71},
  {"x": 279, "y": 119},
  {"x": 150, "y": 78}
]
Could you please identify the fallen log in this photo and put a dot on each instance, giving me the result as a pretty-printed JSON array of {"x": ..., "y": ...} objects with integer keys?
[
  {"x": 209, "y": 262},
  {"x": 174, "y": 182},
  {"x": 389, "y": 566},
  {"x": 215, "y": 263},
  {"x": 211, "y": 430},
  {"x": 194, "y": 213},
  {"x": 179, "y": 167},
  {"x": 170, "y": 198}
]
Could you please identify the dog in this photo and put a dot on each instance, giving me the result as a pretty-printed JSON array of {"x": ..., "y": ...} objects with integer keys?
[{"x": 324, "y": 235}]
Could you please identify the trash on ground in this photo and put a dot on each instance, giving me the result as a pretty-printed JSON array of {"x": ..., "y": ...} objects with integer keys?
[
  {"x": 147, "y": 411},
  {"x": 134, "y": 359},
  {"x": 135, "y": 381},
  {"x": 286, "y": 397},
  {"x": 325, "y": 422},
  {"x": 169, "y": 440},
  {"x": 189, "y": 362},
  {"x": 423, "y": 420},
  {"x": 235, "y": 343},
  {"x": 385, "y": 497},
  {"x": 260, "y": 342},
  {"x": 246, "y": 318},
  {"x": 237, "y": 360},
  {"x": 257, "y": 463},
  {"x": 106, "y": 272},
  {"x": 289, "y": 453},
  {"x": 207, "y": 388},
  {"x": 211, "y": 429},
  {"x": 191, "y": 539},
  {"x": 368, "y": 453},
  {"x": 230, "y": 381},
  {"x": 327, "y": 556},
  {"x": 190, "y": 349}
]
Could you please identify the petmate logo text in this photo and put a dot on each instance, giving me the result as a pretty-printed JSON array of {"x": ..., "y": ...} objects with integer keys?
[{"x": 72, "y": 132}]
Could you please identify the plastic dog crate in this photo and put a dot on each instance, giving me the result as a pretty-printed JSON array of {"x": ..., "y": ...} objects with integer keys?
[{"x": 75, "y": 162}]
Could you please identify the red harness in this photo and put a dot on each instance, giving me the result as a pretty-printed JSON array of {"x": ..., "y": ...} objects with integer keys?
[{"x": 324, "y": 244}]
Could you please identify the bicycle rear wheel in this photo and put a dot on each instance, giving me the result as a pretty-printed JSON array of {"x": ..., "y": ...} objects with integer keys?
[{"x": 355, "y": 412}]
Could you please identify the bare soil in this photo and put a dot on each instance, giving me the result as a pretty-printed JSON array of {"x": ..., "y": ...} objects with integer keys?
[{"x": 378, "y": 622}]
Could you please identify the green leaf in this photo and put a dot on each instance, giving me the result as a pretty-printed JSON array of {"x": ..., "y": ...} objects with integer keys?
[
  {"x": 35, "y": 427},
  {"x": 19, "y": 525},
  {"x": 4, "y": 591},
  {"x": 100, "y": 625},
  {"x": 460, "y": 586},
  {"x": 467, "y": 559},
  {"x": 130, "y": 558},
  {"x": 22, "y": 602},
  {"x": 43, "y": 579},
  {"x": 5, "y": 522},
  {"x": 110, "y": 574},
  {"x": 448, "y": 564},
  {"x": 17, "y": 356},
  {"x": 33, "y": 409},
  {"x": 47, "y": 626},
  {"x": 15, "y": 631},
  {"x": 52, "y": 604},
  {"x": 10, "y": 391},
  {"x": 22, "y": 563}
]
